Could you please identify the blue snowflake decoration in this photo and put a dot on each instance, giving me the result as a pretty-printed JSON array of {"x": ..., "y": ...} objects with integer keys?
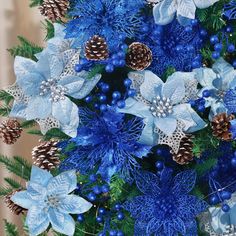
[
  {"x": 230, "y": 10},
  {"x": 165, "y": 208},
  {"x": 107, "y": 18},
  {"x": 173, "y": 46},
  {"x": 106, "y": 141}
]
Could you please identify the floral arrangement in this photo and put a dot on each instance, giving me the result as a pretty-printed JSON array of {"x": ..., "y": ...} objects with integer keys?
[{"x": 134, "y": 103}]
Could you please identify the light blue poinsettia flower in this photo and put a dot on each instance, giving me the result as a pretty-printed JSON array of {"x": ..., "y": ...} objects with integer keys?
[
  {"x": 161, "y": 105},
  {"x": 217, "y": 80},
  {"x": 165, "y": 11},
  {"x": 48, "y": 201},
  {"x": 220, "y": 220}
]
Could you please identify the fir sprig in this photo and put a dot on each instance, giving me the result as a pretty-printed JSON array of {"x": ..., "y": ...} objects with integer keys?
[
  {"x": 35, "y": 3},
  {"x": 10, "y": 229}
]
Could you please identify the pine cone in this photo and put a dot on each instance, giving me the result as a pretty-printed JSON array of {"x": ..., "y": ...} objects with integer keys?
[
  {"x": 220, "y": 126},
  {"x": 12, "y": 206},
  {"x": 139, "y": 56},
  {"x": 10, "y": 131},
  {"x": 185, "y": 153},
  {"x": 96, "y": 49},
  {"x": 46, "y": 155},
  {"x": 54, "y": 9}
]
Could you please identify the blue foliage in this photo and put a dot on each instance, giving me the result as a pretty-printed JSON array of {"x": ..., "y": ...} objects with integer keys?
[
  {"x": 107, "y": 141},
  {"x": 165, "y": 208},
  {"x": 230, "y": 100},
  {"x": 230, "y": 10},
  {"x": 107, "y": 18},
  {"x": 165, "y": 42}
]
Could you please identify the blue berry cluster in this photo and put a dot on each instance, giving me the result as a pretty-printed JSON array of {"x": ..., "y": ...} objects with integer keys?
[{"x": 199, "y": 104}]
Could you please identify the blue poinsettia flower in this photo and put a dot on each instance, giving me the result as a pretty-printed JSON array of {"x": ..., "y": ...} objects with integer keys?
[
  {"x": 220, "y": 221},
  {"x": 42, "y": 89},
  {"x": 166, "y": 207},
  {"x": 161, "y": 104},
  {"x": 217, "y": 80},
  {"x": 166, "y": 11},
  {"x": 107, "y": 141},
  {"x": 107, "y": 18},
  {"x": 48, "y": 201}
]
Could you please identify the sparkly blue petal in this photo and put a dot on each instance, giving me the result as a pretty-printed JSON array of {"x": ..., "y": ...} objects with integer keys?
[
  {"x": 179, "y": 226},
  {"x": 74, "y": 205},
  {"x": 63, "y": 183},
  {"x": 166, "y": 125},
  {"x": 36, "y": 191},
  {"x": 38, "y": 107},
  {"x": 40, "y": 176},
  {"x": 62, "y": 223},
  {"x": 22, "y": 199},
  {"x": 205, "y": 76},
  {"x": 153, "y": 225},
  {"x": 56, "y": 66},
  {"x": 186, "y": 9},
  {"x": 148, "y": 137},
  {"x": 232, "y": 128},
  {"x": 204, "y": 4},
  {"x": 23, "y": 66},
  {"x": 164, "y": 12},
  {"x": 217, "y": 108},
  {"x": 18, "y": 110}
]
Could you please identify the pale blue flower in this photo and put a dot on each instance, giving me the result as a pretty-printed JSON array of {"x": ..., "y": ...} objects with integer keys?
[
  {"x": 218, "y": 81},
  {"x": 161, "y": 105},
  {"x": 48, "y": 201},
  {"x": 221, "y": 220},
  {"x": 166, "y": 11}
]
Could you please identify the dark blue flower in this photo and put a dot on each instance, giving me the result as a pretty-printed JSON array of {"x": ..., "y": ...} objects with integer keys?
[
  {"x": 106, "y": 141},
  {"x": 107, "y": 18},
  {"x": 165, "y": 208},
  {"x": 172, "y": 46}
]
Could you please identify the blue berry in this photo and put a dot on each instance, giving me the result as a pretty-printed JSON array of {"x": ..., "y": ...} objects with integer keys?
[
  {"x": 121, "y": 54},
  {"x": 115, "y": 62},
  {"x": 206, "y": 93},
  {"x": 96, "y": 106},
  {"x": 114, "y": 56},
  {"x": 225, "y": 208},
  {"x": 105, "y": 188},
  {"x": 102, "y": 210},
  {"x": 214, "y": 39},
  {"x": 233, "y": 162},
  {"x": 121, "y": 63},
  {"x": 230, "y": 48},
  {"x": 192, "y": 103},
  {"x": 109, "y": 68},
  {"x": 131, "y": 92},
  {"x": 117, "y": 206},
  {"x": 88, "y": 99},
  {"x": 93, "y": 178},
  {"x": 92, "y": 197},
  {"x": 159, "y": 152},
  {"x": 190, "y": 48},
  {"x": 127, "y": 83},
  {"x": 124, "y": 46},
  {"x": 225, "y": 195},
  {"x": 112, "y": 232},
  {"x": 121, "y": 104},
  {"x": 218, "y": 47},
  {"x": 214, "y": 200},
  {"x": 99, "y": 219},
  {"x": 188, "y": 29},
  {"x": 116, "y": 95},
  {"x": 120, "y": 233},
  {"x": 78, "y": 68},
  {"x": 159, "y": 165},
  {"x": 97, "y": 189},
  {"x": 234, "y": 64},
  {"x": 194, "y": 22},
  {"x": 83, "y": 61},
  {"x": 215, "y": 55},
  {"x": 105, "y": 88},
  {"x": 196, "y": 64},
  {"x": 80, "y": 218},
  {"x": 120, "y": 216},
  {"x": 203, "y": 33},
  {"x": 102, "y": 98},
  {"x": 201, "y": 108},
  {"x": 103, "y": 107},
  {"x": 229, "y": 29},
  {"x": 101, "y": 234},
  {"x": 179, "y": 48}
]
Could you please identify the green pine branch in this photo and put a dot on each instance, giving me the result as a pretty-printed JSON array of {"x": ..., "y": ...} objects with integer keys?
[
  {"x": 4, "y": 110},
  {"x": 25, "y": 49},
  {"x": 12, "y": 183},
  {"x": 98, "y": 69},
  {"x": 5, "y": 97},
  {"x": 10, "y": 229},
  {"x": 35, "y": 3},
  {"x": 5, "y": 191},
  {"x": 17, "y": 165},
  {"x": 28, "y": 124},
  {"x": 49, "y": 27},
  {"x": 51, "y": 134}
]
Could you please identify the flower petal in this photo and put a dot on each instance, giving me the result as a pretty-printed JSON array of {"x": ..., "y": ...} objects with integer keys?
[
  {"x": 62, "y": 223},
  {"x": 164, "y": 12},
  {"x": 37, "y": 220},
  {"x": 56, "y": 66},
  {"x": 22, "y": 199},
  {"x": 186, "y": 9},
  {"x": 18, "y": 110},
  {"x": 205, "y": 76},
  {"x": 153, "y": 226},
  {"x": 204, "y": 4},
  {"x": 150, "y": 84},
  {"x": 63, "y": 183},
  {"x": 23, "y": 66},
  {"x": 166, "y": 125},
  {"x": 74, "y": 205},
  {"x": 36, "y": 191},
  {"x": 40, "y": 176}
]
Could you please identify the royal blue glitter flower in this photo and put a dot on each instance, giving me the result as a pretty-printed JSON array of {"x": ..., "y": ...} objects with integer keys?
[
  {"x": 172, "y": 46},
  {"x": 106, "y": 141},
  {"x": 165, "y": 208},
  {"x": 107, "y": 18}
]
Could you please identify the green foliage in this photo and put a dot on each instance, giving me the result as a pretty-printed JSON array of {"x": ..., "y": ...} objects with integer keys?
[
  {"x": 98, "y": 69},
  {"x": 49, "y": 29},
  {"x": 5, "y": 190},
  {"x": 168, "y": 72},
  {"x": 202, "y": 168},
  {"x": 28, "y": 124},
  {"x": 51, "y": 134},
  {"x": 13, "y": 183},
  {"x": 116, "y": 187},
  {"x": 35, "y": 3},
  {"x": 207, "y": 56},
  {"x": 25, "y": 49},
  {"x": 10, "y": 229},
  {"x": 17, "y": 165},
  {"x": 5, "y": 106}
]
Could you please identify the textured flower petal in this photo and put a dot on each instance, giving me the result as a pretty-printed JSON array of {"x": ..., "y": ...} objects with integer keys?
[
  {"x": 148, "y": 136},
  {"x": 63, "y": 183},
  {"x": 153, "y": 225},
  {"x": 164, "y": 12},
  {"x": 174, "y": 89},
  {"x": 216, "y": 108},
  {"x": 23, "y": 66},
  {"x": 186, "y": 9},
  {"x": 166, "y": 125},
  {"x": 37, "y": 220},
  {"x": 179, "y": 226},
  {"x": 150, "y": 84},
  {"x": 40, "y": 176},
  {"x": 74, "y": 205},
  {"x": 62, "y": 223},
  {"x": 36, "y": 191},
  {"x": 56, "y": 66},
  {"x": 66, "y": 112},
  {"x": 205, "y": 76},
  {"x": 204, "y": 4},
  {"x": 38, "y": 107},
  {"x": 22, "y": 199},
  {"x": 18, "y": 110}
]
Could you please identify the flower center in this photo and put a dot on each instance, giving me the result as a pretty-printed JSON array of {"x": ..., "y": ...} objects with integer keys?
[
  {"x": 166, "y": 206},
  {"x": 161, "y": 107},
  {"x": 221, "y": 94},
  {"x": 51, "y": 86},
  {"x": 52, "y": 201}
]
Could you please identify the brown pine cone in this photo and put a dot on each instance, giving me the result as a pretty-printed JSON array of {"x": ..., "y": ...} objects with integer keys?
[
  {"x": 12, "y": 206},
  {"x": 10, "y": 131},
  {"x": 220, "y": 126},
  {"x": 46, "y": 155},
  {"x": 96, "y": 49},
  {"x": 54, "y": 9},
  {"x": 139, "y": 56},
  {"x": 185, "y": 153}
]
